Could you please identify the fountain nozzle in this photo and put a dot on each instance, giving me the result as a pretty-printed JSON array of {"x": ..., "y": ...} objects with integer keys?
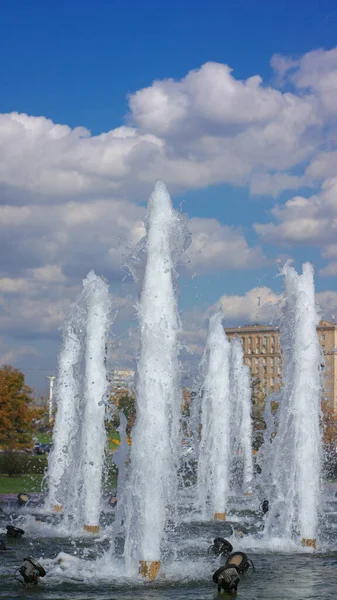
[
  {"x": 149, "y": 569},
  {"x": 309, "y": 543},
  {"x": 91, "y": 528},
  {"x": 220, "y": 516}
]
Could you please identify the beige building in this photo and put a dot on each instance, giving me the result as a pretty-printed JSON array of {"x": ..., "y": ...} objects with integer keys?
[
  {"x": 122, "y": 380},
  {"x": 262, "y": 353}
]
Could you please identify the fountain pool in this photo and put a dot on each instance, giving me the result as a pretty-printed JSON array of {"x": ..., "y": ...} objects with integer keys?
[{"x": 79, "y": 568}]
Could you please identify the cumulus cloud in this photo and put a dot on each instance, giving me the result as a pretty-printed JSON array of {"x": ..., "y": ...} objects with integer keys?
[
  {"x": 205, "y": 128},
  {"x": 216, "y": 247},
  {"x": 316, "y": 72},
  {"x": 306, "y": 221},
  {"x": 259, "y": 305},
  {"x": 76, "y": 235},
  {"x": 69, "y": 198}
]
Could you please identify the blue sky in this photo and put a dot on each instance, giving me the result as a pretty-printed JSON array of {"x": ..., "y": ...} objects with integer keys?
[
  {"x": 75, "y": 62},
  {"x": 93, "y": 65}
]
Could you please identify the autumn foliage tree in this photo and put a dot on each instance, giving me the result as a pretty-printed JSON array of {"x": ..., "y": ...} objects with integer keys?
[{"x": 16, "y": 415}]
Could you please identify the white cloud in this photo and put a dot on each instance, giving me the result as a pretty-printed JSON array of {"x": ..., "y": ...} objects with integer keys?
[
  {"x": 12, "y": 356},
  {"x": 217, "y": 247},
  {"x": 208, "y": 127},
  {"x": 76, "y": 235},
  {"x": 315, "y": 71},
  {"x": 306, "y": 221},
  {"x": 259, "y": 305},
  {"x": 69, "y": 197}
]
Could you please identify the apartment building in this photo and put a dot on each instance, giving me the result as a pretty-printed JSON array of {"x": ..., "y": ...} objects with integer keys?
[
  {"x": 263, "y": 355},
  {"x": 122, "y": 380}
]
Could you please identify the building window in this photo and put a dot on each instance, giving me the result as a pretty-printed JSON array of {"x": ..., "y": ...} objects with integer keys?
[{"x": 249, "y": 345}]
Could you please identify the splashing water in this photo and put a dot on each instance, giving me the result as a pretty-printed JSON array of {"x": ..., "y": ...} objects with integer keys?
[
  {"x": 297, "y": 445},
  {"x": 96, "y": 293},
  {"x": 241, "y": 423},
  {"x": 66, "y": 421},
  {"x": 76, "y": 461},
  {"x": 155, "y": 437},
  {"x": 214, "y": 449}
]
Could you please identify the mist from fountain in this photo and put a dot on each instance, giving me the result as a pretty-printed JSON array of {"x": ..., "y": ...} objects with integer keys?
[
  {"x": 296, "y": 449},
  {"x": 241, "y": 471},
  {"x": 214, "y": 447},
  {"x": 155, "y": 436},
  {"x": 76, "y": 461}
]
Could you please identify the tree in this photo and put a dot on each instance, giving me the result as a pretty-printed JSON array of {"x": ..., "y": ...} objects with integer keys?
[
  {"x": 127, "y": 405},
  {"x": 16, "y": 416}
]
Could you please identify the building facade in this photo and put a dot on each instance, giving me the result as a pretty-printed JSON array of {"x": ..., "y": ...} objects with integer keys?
[
  {"x": 263, "y": 355},
  {"x": 122, "y": 380}
]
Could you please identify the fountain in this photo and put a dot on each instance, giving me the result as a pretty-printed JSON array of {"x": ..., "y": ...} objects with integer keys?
[
  {"x": 214, "y": 449},
  {"x": 241, "y": 472},
  {"x": 76, "y": 461},
  {"x": 296, "y": 449},
  {"x": 150, "y": 528},
  {"x": 155, "y": 437},
  {"x": 94, "y": 390},
  {"x": 66, "y": 422}
]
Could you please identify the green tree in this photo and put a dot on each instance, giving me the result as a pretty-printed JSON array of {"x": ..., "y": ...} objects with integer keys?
[
  {"x": 16, "y": 415},
  {"x": 126, "y": 405}
]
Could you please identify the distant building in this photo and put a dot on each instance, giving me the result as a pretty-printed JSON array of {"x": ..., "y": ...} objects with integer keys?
[
  {"x": 122, "y": 380},
  {"x": 262, "y": 353}
]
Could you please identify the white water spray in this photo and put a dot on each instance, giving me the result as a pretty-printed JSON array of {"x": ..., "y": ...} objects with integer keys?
[
  {"x": 96, "y": 293},
  {"x": 76, "y": 461},
  {"x": 297, "y": 446},
  {"x": 155, "y": 437},
  {"x": 214, "y": 450},
  {"x": 66, "y": 421},
  {"x": 241, "y": 422}
]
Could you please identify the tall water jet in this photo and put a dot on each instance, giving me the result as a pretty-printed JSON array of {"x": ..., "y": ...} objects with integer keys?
[
  {"x": 65, "y": 428},
  {"x": 214, "y": 450},
  {"x": 155, "y": 437},
  {"x": 76, "y": 461},
  {"x": 241, "y": 421},
  {"x": 96, "y": 293},
  {"x": 297, "y": 446}
]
